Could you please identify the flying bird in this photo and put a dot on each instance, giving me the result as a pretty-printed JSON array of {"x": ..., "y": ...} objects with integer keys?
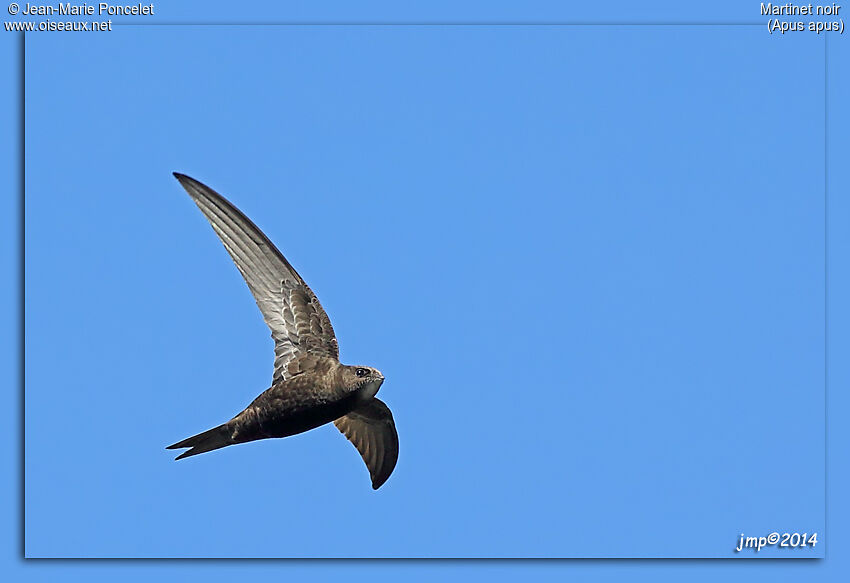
[{"x": 310, "y": 387}]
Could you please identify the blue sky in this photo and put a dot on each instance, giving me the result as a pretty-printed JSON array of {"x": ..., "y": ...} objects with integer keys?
[{"x": 589, "y": 261}]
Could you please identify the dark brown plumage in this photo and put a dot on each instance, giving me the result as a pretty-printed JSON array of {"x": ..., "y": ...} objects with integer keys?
[{"x": 310, "y": 387}]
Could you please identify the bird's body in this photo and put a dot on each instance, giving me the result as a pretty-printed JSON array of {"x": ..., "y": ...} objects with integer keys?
[
  {"x": 310, "y": 387},
  {"x": 302, "y": 403},
  {"x": 306, "y": 401}
]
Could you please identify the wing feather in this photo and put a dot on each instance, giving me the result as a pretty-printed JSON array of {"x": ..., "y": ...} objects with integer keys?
[
  {"x": 370, "y": 427},
  {"x": 291, "y": 310}
]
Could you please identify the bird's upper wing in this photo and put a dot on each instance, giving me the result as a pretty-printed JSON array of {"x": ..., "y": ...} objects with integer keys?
[
  {"x": 371, "y": 429},
  {"x": 290, "y": 308}
]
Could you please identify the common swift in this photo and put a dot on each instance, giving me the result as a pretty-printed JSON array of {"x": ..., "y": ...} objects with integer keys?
[{"x": 310, "y": 387}]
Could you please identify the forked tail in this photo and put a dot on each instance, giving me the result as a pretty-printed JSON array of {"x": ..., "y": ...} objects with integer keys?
[{"x": 214, "y": 438}]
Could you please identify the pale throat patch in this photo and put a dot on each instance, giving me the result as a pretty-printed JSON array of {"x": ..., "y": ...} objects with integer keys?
[{"x": 370, "y": 389}]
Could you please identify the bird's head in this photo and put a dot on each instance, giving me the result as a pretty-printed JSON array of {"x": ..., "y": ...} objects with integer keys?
[{"x": 365, "y": 379}]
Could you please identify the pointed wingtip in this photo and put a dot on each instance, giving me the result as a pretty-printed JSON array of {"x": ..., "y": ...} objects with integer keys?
[
  {"x": 195, "y": 188},
  {"x": 190, "y": 185}
]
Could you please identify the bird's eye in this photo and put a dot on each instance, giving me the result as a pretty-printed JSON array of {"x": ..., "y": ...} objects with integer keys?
[{"x": 361, "y": 372}]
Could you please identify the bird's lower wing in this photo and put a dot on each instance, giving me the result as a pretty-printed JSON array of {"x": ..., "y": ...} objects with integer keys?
[{"x": 370, "y": 427}]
